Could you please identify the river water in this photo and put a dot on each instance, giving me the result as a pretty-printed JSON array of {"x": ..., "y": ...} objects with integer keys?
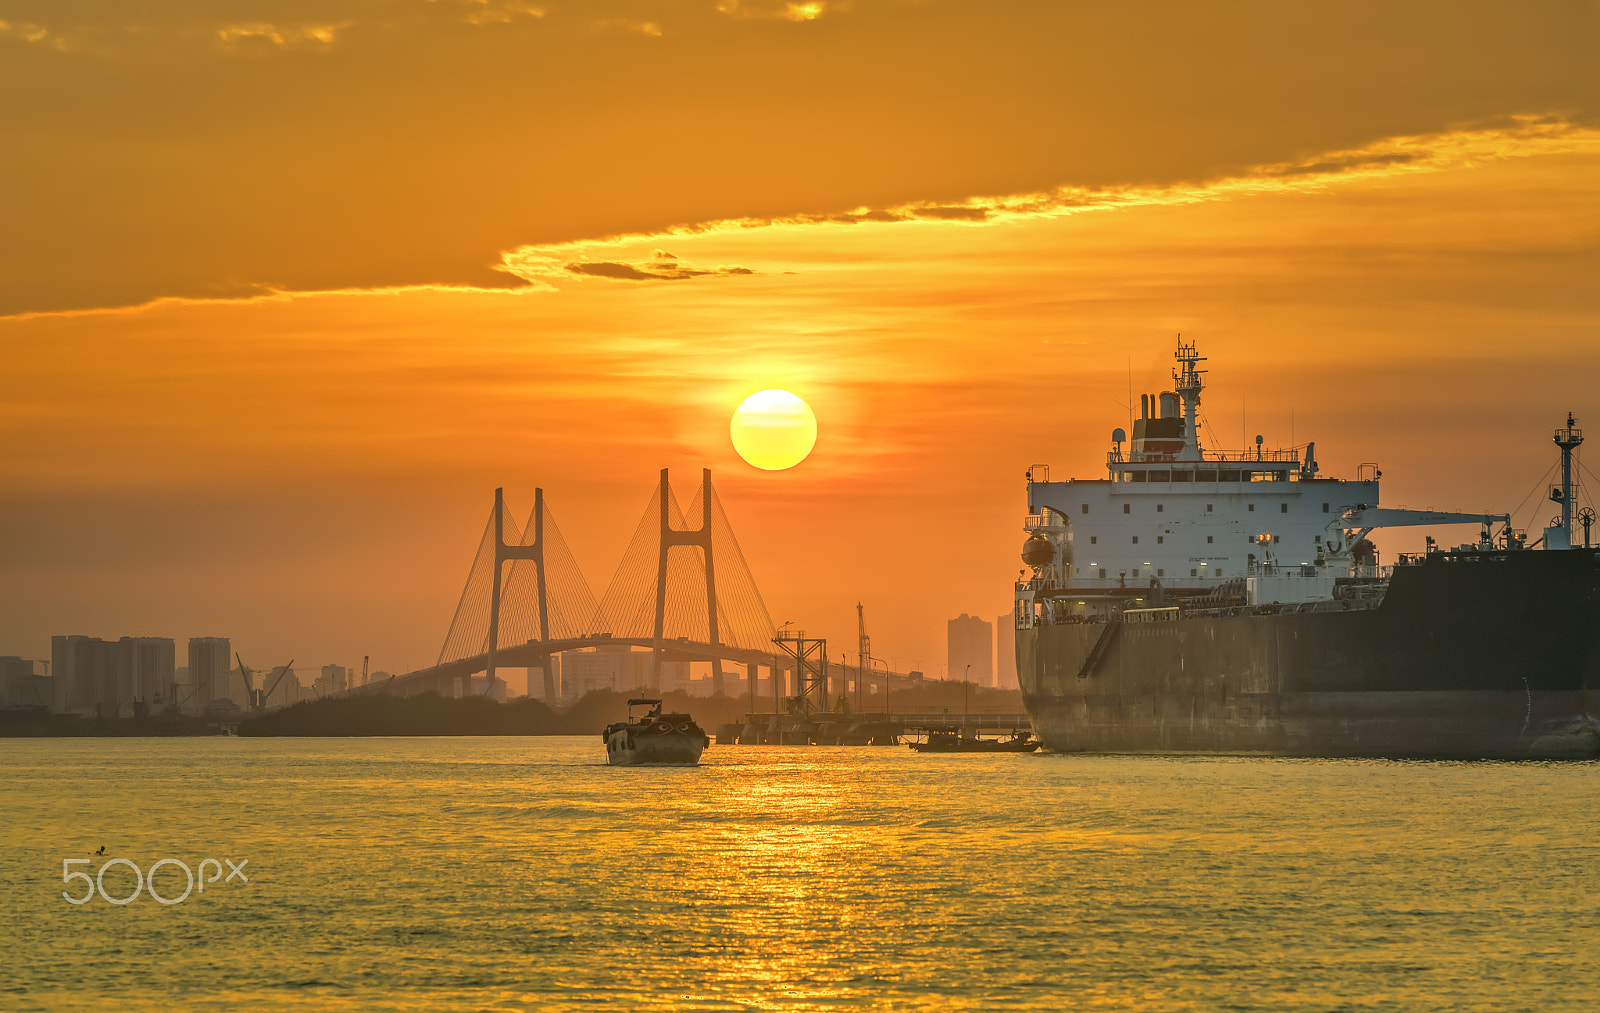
[{"x": 499, "y": 873}]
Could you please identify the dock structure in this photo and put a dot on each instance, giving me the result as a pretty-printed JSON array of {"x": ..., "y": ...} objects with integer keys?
[{"x": 798, "y": 728}]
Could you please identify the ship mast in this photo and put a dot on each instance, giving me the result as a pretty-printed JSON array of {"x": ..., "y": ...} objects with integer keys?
[
  {"x": 1186, "y": 381},
  {"x": 1568, "y": 440}
]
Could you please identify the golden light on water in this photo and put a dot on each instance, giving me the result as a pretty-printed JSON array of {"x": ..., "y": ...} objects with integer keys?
[{"x": 773, "y": 430}]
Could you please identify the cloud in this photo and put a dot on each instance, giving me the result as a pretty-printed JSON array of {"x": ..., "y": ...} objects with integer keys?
[
  {"x": 1524, "y": 136},
  {"x": 418, "y": 146},
  {"x": 649, "y": 28},
  {"x": 662, "y": 267},
  {"x": 257, "y": 33},
  {"x": 1345, "y": 164},
  {"x": 37, "y": 34},
  {"x": 781, "y": 11},
  {"x": 953, "y": 214},
  {"x": 500, "y": 12}
]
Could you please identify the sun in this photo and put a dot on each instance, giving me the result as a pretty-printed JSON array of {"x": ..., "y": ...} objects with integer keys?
[{"x": 773, "y": 430}]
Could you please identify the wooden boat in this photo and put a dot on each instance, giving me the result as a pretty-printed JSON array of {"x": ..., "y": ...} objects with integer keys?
[{"x": 652, "y": 737}]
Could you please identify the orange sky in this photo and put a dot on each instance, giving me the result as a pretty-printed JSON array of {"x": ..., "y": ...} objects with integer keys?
[{"x": 289, "y": 297}]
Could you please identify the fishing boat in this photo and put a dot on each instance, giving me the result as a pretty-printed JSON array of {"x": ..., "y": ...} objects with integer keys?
[
  {"x": 968, "y": 741},
  {"x": 651, "y": 737}
]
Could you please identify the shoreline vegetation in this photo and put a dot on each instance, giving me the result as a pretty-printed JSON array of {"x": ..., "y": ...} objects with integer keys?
[{"x": 430, "y": 714}]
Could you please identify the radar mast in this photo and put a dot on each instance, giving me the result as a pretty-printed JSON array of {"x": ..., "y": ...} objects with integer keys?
[{"x": 1186, "y": 381}]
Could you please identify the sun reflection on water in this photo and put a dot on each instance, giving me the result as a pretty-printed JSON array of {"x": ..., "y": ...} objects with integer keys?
[{"x": 512, "y": 874}]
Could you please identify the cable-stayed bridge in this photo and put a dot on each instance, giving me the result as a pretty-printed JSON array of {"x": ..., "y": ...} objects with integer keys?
[{"x": 683, "y": 590}]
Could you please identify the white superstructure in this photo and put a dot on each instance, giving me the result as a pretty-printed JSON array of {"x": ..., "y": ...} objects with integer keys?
[{"x": 1170, "y": 518}]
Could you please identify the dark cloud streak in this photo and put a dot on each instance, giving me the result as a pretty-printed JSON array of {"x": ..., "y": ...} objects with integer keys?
[{"x": 661, "y": 269}]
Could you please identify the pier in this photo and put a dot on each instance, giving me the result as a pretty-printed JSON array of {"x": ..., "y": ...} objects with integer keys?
[{"x": 880, "y": 729}]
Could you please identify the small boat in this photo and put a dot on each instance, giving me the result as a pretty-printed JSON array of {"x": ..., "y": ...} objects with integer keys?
[
  {"x": 967, "y": 741},
  {"x": 654, "y": 737}
]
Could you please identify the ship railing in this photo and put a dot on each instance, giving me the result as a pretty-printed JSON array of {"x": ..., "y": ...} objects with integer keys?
[
  {"x": 1270, "y": 569},
  {"x": 1164, "y": 614},
  {"x": 1203, "y": 472},
  {"x": 1133, "y": 587},
  {"x": 1284, "y": 608},
  {"x": 1164, "y": 457},
  {"x": 1137, "y": 588},
  {"x": 1255, "y": 455}
]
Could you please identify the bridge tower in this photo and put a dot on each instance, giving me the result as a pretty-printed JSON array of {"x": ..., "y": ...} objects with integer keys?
[
  {"x": 670, "y": 537},
  {"x": 504, "y": 553}
]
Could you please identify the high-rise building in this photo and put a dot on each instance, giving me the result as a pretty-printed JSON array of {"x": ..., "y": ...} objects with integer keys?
[
  {"x": 1005, "y": 652},
  {"x": 283, "y": 688},
  {"x": 616, "y": 667},
  {"x": 25, "y": 683},
  {"x": 94, "y": 676},
  {"x": 544, "y": 682},
  {"x": 969, "y": 651},
  {"x": 210, "y": 662},
  {"x": 145, "y": 672},
  {"x": 334, "y": 680},
  {"x": 85, "y": 672},
  {"x": 479, "y": 685}
]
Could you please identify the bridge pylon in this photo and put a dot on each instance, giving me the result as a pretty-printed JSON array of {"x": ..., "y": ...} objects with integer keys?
[
  {"x": 504, "y": 553},
  {"x": 670, "y": 538}
]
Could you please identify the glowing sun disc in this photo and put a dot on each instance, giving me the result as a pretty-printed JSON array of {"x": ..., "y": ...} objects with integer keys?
[{"x": 773, "y": 430}]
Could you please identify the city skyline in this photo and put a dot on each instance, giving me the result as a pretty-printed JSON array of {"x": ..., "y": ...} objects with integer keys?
[{"x": 249, "y": 396}]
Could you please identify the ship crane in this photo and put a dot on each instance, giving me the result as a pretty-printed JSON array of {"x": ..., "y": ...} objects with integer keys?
[
  {"x": 1359, "y": 522},
  {"x": 1367, "y": 517}
]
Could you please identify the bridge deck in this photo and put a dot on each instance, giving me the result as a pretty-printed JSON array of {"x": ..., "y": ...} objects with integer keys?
[{"x": 535, "y": 652}]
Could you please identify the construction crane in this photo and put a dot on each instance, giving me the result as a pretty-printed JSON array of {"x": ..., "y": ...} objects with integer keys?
[
  {"x": 197, "y": 687},
  {"x": 258, "y": 698},
  {"x": 863, "y": 653},
  {"x": 282, "y": 672}
]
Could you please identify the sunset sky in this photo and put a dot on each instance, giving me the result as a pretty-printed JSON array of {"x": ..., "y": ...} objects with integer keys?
[{"x": 287, "y": 289}]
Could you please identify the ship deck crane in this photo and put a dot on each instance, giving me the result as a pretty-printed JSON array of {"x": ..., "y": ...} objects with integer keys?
[{"x": 1360, "y": 522}]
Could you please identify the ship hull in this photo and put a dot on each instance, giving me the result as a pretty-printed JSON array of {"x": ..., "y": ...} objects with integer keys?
[
  {"x": 630, "y": 748},
  {"x": 1486, "y": 656}
]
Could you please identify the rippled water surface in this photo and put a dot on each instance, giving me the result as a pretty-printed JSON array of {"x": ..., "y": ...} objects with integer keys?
[{"x": 471, "y": 873}]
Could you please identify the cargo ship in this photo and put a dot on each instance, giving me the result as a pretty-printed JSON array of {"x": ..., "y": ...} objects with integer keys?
[{"x": 1206, "y": 602}]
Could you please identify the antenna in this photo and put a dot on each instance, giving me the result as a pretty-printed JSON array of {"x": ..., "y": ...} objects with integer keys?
[{"x": 1130, "y": 392}]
